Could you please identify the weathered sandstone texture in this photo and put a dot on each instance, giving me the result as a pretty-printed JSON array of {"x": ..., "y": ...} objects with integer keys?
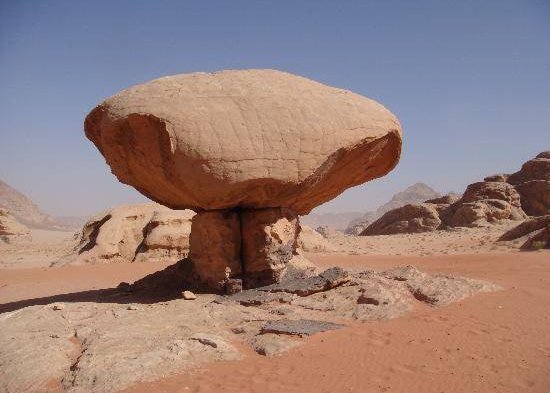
[
  {"x": 10, "y": 229},
  {"x": 483, "y": 203},
  {"x": 413, "y": 218},
  {"x": 113, "y": 339},
  {"x": 134, "y": 233},
  {"x": 216, "y": 246},
  {"x": 260, "y": 144},
  {"x": 532, "y": 182},
  {"x": 247, "y": 139}
]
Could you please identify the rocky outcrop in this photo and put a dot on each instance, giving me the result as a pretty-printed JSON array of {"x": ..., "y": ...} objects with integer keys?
[
  {"x": 414, "y": 194},
  {"x": 134, "y": 233},
  {"x": 260, "y": 145},
  {"x": 11, "y": 230},
  {"x": 533, "y": 184},
  {"x": 483, "y": 203},
  {"x": 443, "y": 202},
  {"x": 527, "y": 227},
  {"x": 413, "y": 218},
  {"x": 541, "y": 240},
  {"x": 535, "y": 230}
]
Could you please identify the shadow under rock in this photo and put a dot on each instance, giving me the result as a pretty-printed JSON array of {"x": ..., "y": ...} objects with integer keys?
[{"x": 164, "y": 285}]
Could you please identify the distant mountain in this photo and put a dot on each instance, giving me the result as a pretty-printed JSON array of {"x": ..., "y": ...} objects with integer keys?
[
  {"x": 338, "y": 221},
  {"x": 418, "y": 192},
  {"x": 29, "y": 214}
]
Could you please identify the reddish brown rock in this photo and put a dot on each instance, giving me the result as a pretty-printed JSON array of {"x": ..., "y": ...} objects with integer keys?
[
  {"x": 216, "y": 247},
  {"x": 411, "y": 218},
  {"x": 535, "y": 169},
  {"x": 483, "y": 203},
  {"x": 541, "y": 240},
  {"x": 535, "y": 197},
  {"x": 525, "y": 228},
  {"x": 270, "y": 241},
  {"x": 501, "y": 177}
]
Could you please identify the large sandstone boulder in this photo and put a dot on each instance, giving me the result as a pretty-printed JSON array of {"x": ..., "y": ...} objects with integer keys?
[
  {"x": 11, "y": 230},
  {"x": 536, "y": 169},
  {"x": 134, "y": 233},
  {"x": 483, "y": 203},
  {"x": 532, "y": 182},
  {"x": 535, "y": 197},
  {"x": 257, "y": 147},
  {"x": 253, "y": 139},
  {"x": 412, "y": 218}
]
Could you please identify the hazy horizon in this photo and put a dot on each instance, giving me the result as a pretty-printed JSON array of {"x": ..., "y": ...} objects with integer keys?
[{"x": 469, "y": 81}]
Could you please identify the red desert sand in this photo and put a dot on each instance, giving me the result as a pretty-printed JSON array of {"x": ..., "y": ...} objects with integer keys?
[{"x": 492, "y": 342}]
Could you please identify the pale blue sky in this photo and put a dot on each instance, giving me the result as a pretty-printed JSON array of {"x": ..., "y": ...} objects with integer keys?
[{"x": 469, "y": 80}]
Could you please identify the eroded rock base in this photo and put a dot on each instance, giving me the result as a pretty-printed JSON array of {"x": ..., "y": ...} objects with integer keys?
[
  {"x": 124, "y": 337},
  {"x": 254, "y": 246}
]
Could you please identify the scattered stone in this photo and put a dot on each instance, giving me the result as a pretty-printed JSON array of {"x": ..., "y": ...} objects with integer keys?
[
  {"x": 188, "y": 295},
  {"x": 58, "y": 306},
  {"x": 298, "y": 327},
  {"x": 132, "y": 307},
  {"x": 272, "y": 344}
]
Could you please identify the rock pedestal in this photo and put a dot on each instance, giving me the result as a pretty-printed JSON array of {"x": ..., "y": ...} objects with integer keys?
[
  {"x": 215, "y": 247},
  {"x": 251, "y": 245}
]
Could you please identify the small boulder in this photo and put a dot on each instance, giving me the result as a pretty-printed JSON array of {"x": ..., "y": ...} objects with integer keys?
[{"x": 188, "y": 295}]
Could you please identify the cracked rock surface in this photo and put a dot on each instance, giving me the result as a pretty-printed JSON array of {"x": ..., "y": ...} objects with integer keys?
[{"x": 122, "y": 339}]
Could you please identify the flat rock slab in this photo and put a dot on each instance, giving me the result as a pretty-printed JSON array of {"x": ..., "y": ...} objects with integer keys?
[
  {"x": 326, "y": 280},
  {"x": 253, "y": 297},
  {"x": 299, "y": 327}
]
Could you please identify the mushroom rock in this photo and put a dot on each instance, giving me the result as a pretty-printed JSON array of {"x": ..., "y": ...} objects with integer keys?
[{"x": 253, "y": 142}]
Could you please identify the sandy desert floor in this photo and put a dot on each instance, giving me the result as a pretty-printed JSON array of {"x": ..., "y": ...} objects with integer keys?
[{"x": 493, "y": 342}]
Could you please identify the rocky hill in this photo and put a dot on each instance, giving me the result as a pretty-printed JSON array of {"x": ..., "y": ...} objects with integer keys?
[
  {"x": 416, "y": 193},
  {"x": 28, "y": 213},
  {"x": 498, "y": 198}
]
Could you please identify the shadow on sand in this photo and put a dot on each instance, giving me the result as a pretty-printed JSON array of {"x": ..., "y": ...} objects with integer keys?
[{"x": 164, "y": 285}]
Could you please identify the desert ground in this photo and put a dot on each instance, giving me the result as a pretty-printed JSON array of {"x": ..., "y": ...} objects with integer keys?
[{"x": 490, "y": 342}]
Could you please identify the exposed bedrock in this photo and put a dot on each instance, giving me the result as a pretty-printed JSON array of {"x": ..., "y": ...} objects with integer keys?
[{"x": 253, "y": 245}]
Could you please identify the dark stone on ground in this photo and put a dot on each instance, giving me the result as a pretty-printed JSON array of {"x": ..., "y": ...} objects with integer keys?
[{"x": 299, "y": 327}]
